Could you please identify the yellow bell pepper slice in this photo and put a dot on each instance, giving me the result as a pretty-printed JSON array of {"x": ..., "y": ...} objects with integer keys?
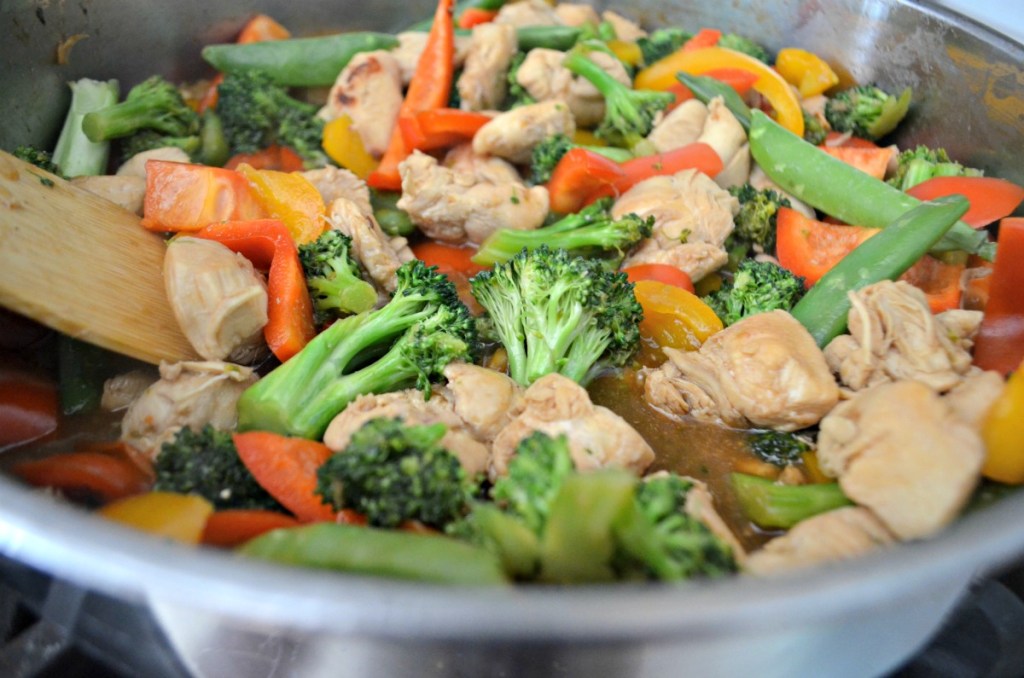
[
  {"x": 344, "y": 146},
  {"x": 627, "y": 52},
  {"x": 291, "y": 198},
  {"x": 662, "y": 74},
  {"x": 673, "y": 317},
  {"x": 1004, "y": 435},
  {"x": 584, "y": 137},
  {"x": 181, "y": 517},
  {"x": 806, "y": 71}
]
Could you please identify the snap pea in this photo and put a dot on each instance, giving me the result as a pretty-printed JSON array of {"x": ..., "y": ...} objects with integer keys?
[
  {"x": 706, "y": 88},
  {"x": 842, "y": 191},
  {"x": 298, "y": 62},
  {"x": 550, "y": 37},
  {"x": 884, "y": 256},
  {"x": 770, "y": 505},
  {"x": 371, "y": 551},
  {"x": 392, "y": 220}
]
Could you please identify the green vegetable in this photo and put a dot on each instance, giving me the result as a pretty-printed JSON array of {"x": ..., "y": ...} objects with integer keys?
[
  {"x": 213, "y": 145},
  {"x": 502, "y": 534},
  {"x": 34, "y": 156},
  {"x": 739, "y": 43},
  {"x": 884, "y": 256},
  {"x": 517, "y": 94},
  {"x": 840, "y": 190},
  {"x": 757, "y": 287},
  {"x": 706, "y": 88},
  {"x": 557, "y": 313},
  {"x": 380, "y": 553},
  {"x": 406, "y": 343},
  {"x": 82, "y": 368},
  {"x": 561, "y": 38},
  {"x": 391, "y": 472},
  {"x": 777, "y": 447},
  {"x": 547, "y": 153},
  {"x": 757, "y": 219},
  {"x": 814, "y": 131},
  {"x": 535, "y": 474},
  {"x": 392, "y": 220},
  {"x": 147, "y": 140},
  {"x": 256, "y": 113},
  {"x": 628, "y": 113},
  {"x": 867, "y": 111},
  {"x": 75, "y": 154},
  {"x": 206, "y": 463},
  {"x": 593, "y": 228},
  {"x": 662, "y": 42},
  {"x": 660, "y": 540},
  {"x": 332, "y": 276},
  {"x": 297, "y": 62},
  {"x": 923, "y": 163},
  {"x": 772, "y": 505}
]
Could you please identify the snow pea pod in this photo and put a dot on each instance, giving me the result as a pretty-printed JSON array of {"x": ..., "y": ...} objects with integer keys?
[
  {"x": 376, "y": 552},
  {"x": 842, "y": 191},
  {"x": 298, "y": 62},
  {"x": 706, "y": 88},
  {"x": 884, "y": 256}
]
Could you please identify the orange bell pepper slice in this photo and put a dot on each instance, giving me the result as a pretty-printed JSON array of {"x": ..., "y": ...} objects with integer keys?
[
  {"x": 185, "y": 197},
  {"x": 291, "y": 198},
  {"x": 286, "y": 468},
  {"x": 1000, "y": 342}
]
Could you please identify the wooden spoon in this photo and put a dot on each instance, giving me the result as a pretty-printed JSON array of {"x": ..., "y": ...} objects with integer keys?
[{"x": 84, "y": 266}]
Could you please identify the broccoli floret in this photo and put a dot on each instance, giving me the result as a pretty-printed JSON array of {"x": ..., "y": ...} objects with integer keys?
[
  {"x": 867, "y": 111},
  {"x": 739, "y": 43},
  {"x": 593, "y": 228},
  {"x": 75, "y": 154},
  {"x": 257, "y": 113},
  {"x": 392, "y": 472},
  {"x": 517, "y": 94},
  {"x": 757, "y": 287},
  {"x": 662, "y": 42},
  {"x": 660, "y": 540},
  {"x": 756, "y": 220},
  {"x": 628, "y": 113},
  {"x": 559, "y": 313},
  {"x": 405, "y": 343},
  {"x": 332, "y": 276},
  {"x": 41, "y": 159},
  {"x": 777, "y": 447},
  {"x": 814, "y": 131},
  {"x": 534, "y": 477},
  {"x": 153, "y": 110},
  {"x": 923, "y": 163},
  {"x": 206, "y": 463},
  {"x": 549, "y": 152},
  {"x": 771, "y": 505}
]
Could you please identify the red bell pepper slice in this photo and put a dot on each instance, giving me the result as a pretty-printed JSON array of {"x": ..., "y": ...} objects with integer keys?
[
  {"x": 269, "y": 246},
  {"x": 991, "y": 199},
  {"x": 286, "y": 468},
  {"x": 873, "y": 161},
  {"x": 279, "y": 158},
  {"x": 440, "y": 128},
  {"x": 663, "y": 273},
  {"x": 28, "y": 407},
  {"x": 809, "y": 248},
  {"x": 448, "y": 258},
  {"x": 234, "y": 527},
  {"x": 577, "y": 175},
  {"x": 186, "y": 197},
  {"x": 1000, "y": 342},
  {"x": 698, "y": 156},
  {"x": 474, "y": 16},
  {"x": 705, "y": 37}
]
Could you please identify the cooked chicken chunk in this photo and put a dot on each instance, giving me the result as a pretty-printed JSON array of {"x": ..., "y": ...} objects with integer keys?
[
  {"x": 370, "y": 245},
  {"x": 764, "y": 371},
  {"x": 681, "y": 126},
  {"x": 723, "y": 132},
  {"x": 484, "y": 168},
  {"x": 557, "y": 405},
  {"x": 701, "y": 505},
  {"x": 219, "y": 300},
  {"x": 410, "y": 47},
  {"x": 624, "y": 28},
  {"x": 573, "y": 14},
  {"x": 692, "y": 218},
  {"x": 484, "y": 399},
  {"x": 136, "y": 165},
  {"x": 337, "y": 182},
  {"x": 893, "y": 336},
  {"x": 122, "y": 390},
  {"x": 973, "y": 397},
  {"x": 191, "y": 394},
  {"x": 841, "y": 534},
  {"x": 545, "y": 78},
  {"x": 513, "y": 134},
  {"x": 527, "y": 13},
  {"x": 454, "y": 206},
  {"x": 484, "y": 80},
  {"x": 125, "y": 191},
  {"x": 369, "y": 91},
  {"x": 899, "y": 450}
]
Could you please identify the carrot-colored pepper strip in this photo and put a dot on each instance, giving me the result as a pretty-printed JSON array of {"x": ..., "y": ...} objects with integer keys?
[
  {"x": 697, "y": 155},
  {"x": 269, "y": 246},
  {"x": 1000, "y": 343},
  {"x": 579, "y": 173}
]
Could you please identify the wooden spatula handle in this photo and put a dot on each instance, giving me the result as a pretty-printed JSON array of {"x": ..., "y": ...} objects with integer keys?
[{"x": 84, "y": 266}]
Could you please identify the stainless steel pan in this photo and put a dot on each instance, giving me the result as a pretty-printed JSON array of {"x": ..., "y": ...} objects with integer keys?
[{"x": 228, "y": 617}]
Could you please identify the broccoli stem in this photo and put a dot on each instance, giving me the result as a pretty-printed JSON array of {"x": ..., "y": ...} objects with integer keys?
[
  {"x": 75, "y": 154},
  {"x": 123, "y": 119},
  {"x": 772, "y": 505}
]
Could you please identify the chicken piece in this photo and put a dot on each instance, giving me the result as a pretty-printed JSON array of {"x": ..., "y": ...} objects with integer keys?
[
  {"x": 122, "y": 390},
  {"x": 484, "y": 80},
  {"x": 759, "y": 180},
  {"x": 723, "y": 132},
  {"x": 454, "y": 206},
  {"x": 683, "y": 125},
  {"x": 127, "y": 192},
  {"x": 218, "y": 298},
  {"x": 369, "y": 91},
  {"x": 894, "y": 336},
  {"x": 483, "y": 398},
  {"x": 135, "y": 166},
  {"x": 528, "y": 13},
  {"x": 625, "y": 29},
  {"x": 693, "y": 216},
  {"x": 841, "y": 534},
  {"x": 544, "y": 78},
  {"x": 370, "y": 246},
  {"x": 410, "y": 47},
  {"x": 485, "y": 168},
  {"x": 337, "y": 182},
  {"x": 557, "y": 405},
  {"x": 899, "y": 450},
  {"x": 513, "y": 134},
  {"x": 573, "y": 14},
  {"x": 191, "y": 394},
  {"x": 764, "y": 371},
  {"x": 973, "y": 397}
]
